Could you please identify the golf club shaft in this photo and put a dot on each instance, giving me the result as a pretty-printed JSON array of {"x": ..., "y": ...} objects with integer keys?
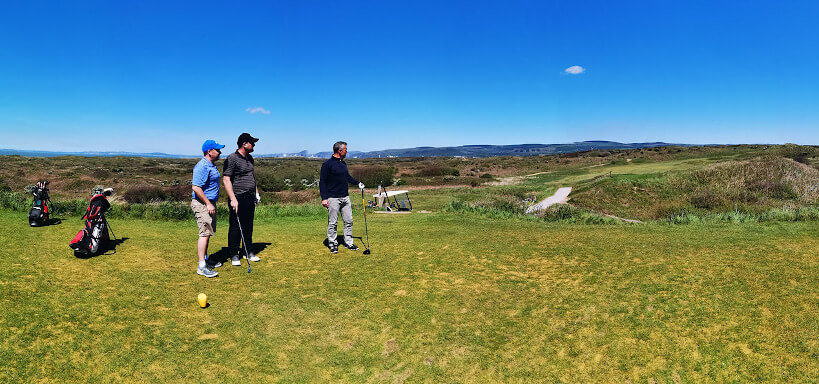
[
  {"x": 364, "y": 207},
  {"x": 244, "y": 242}
]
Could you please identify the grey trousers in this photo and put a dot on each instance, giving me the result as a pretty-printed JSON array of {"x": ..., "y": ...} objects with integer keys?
[{"x": 344, "y": 205}]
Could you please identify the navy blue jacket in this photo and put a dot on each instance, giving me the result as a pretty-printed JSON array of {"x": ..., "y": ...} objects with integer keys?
[{"x": 334, "y": 179}]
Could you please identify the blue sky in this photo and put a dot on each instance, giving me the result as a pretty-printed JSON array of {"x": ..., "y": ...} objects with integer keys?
[{"x": 162, "y": 76}]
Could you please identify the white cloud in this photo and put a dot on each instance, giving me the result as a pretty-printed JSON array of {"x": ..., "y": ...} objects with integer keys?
[
  {"x": 575, "y": 70},
  {"x": 256, "y": 110}
]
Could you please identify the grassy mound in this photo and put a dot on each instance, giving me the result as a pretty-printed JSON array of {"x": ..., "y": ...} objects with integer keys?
[{"x": 750, "y": 187}]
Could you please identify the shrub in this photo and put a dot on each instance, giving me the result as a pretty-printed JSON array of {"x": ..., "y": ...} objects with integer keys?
[
  {"x": 100, "y": 173},
  {"x": 290, "y": 197},
  {"x": 373, "y": 175},
  {"x": 13, "y": 200},
  {"x": 566, "y": 213},
  {"x": 438, "y": 170},
  {"x": 151, "y": 193},
  {"x": 706, "y": 200},
  {"x": 269, "y": 183}
]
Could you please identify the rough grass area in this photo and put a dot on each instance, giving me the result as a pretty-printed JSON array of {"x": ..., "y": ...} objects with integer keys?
[
  {"x": 74, "y": 177},
  {"x": 442, "y": 298},
  {"x": 746, "y": 187},
  {"x": 164, "y": 210}
]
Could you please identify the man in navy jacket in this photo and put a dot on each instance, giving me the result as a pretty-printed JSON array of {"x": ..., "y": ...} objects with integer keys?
[{"x": 333, "y": 185}]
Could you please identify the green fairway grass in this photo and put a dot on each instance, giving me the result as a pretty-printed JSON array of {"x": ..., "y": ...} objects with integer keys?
[{"x": 442, "y": 298}]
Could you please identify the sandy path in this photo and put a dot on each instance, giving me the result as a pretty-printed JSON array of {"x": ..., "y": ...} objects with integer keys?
[
  {"x": 561, "y": 196},
  {"x": 514, "y": 179}
]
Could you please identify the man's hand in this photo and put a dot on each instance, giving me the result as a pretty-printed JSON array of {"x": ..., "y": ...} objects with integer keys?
[
  {"x": 235, "y": 205},
  {"x": 360, "y": 185},
  {"x": 325, "y": 203},
  {"x": 211, "y": 208},
  {"x": 258, "y": 198}
]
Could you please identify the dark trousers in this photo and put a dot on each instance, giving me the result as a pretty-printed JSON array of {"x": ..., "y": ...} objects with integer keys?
[{"x": 247, "y": 208}]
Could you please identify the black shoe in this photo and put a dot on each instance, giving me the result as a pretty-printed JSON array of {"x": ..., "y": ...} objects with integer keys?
[
  {"x": 352, "y": 247},
  {"x": 333, "y": 248}
]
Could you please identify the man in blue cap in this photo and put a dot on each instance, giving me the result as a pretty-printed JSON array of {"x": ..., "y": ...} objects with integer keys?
[{"x": 205, "y": 186}]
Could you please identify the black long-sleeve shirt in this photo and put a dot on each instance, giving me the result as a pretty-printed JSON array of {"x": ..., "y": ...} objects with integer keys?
[{"x": 334, "y": 179}]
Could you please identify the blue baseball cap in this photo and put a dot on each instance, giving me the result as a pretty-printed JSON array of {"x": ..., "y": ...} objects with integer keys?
[{"x": 210, "y": 144}]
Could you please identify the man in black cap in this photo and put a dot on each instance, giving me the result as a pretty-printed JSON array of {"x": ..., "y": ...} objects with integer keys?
[{"x": 240, "y": 186}]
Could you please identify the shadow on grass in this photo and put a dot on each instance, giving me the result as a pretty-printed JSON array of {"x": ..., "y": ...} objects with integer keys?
[
  {"x": 51, "y": 221},
  {"x": 223, "y": 254},
  {"x": 108, "y": 249}
]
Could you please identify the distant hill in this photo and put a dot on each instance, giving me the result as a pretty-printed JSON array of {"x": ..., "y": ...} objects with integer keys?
[
  {"x": 500, "y": 150},
  {"x": 32, "y": 153},
  {"x": 463, "y": 150}
]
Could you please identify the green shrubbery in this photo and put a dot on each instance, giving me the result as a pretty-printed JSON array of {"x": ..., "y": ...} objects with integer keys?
[
  {"x": 374, "y": 175},
  {"x": 151, "y": 194},
  {"x": 438, "y": 170},
  {"x": 772, "y": 215},
  {"x": 166, "y": 210},
  {"x": 562, "y": 213}
]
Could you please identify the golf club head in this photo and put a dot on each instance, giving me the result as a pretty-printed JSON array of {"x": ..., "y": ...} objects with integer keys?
[{"x": 366, "y": 251}]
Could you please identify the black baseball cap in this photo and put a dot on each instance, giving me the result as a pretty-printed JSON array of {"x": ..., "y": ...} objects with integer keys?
[{"x": 246, "y": 138}]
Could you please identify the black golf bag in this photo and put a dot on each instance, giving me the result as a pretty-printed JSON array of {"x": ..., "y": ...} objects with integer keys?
[
  {"x": 93, "y": 238},
  {"x": 41, "y": 206}
]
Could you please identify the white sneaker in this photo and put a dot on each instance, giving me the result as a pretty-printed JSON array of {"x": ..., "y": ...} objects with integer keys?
[
  {"x": 254, "y": 257},
  {"x": 235, "y": 261}
]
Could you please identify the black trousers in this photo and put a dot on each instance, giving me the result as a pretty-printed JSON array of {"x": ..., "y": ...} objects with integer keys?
[{"x": 247, "y": 209}]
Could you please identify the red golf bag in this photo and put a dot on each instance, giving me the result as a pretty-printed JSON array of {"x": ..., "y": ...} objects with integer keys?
[{"x": 94, "y": 238}]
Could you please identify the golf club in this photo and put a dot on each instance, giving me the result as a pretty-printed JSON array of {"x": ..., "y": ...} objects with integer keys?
[
  {"x": 244, "y": 243},
  {"x": 366, "y": 232}
]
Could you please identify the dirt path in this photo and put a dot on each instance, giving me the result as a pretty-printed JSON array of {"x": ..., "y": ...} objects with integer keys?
[
  {"x": 626, "y": 220},
  {"x": 514, "y": 179},
  {"x": 561, "y": 196}
]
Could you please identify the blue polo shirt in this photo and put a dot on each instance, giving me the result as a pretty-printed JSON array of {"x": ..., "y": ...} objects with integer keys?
[{"x": 206, "y": 176}]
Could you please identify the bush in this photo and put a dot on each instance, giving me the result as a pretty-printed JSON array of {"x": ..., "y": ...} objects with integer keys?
[
  {"x": 14, "y": 201},
  {"x": 151, "y": 193},
  {"x": 373, "y": 175},
  {"x": 290, "y": 197},
  {"x": 706, "y": 200},
  {"x": 438, "y": 170},
  {"x": 267, "y": 181},
  {"x": 100, "y": 173},
  {"x": 565, "y": 213}
]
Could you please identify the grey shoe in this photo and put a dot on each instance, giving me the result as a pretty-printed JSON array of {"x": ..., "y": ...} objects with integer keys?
[
  {"x": 235, "y": 261},
  {"x": 212, "y": 265},
  {"x": 333, "y": 248},
  {"x": 207, "y": 272}
]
